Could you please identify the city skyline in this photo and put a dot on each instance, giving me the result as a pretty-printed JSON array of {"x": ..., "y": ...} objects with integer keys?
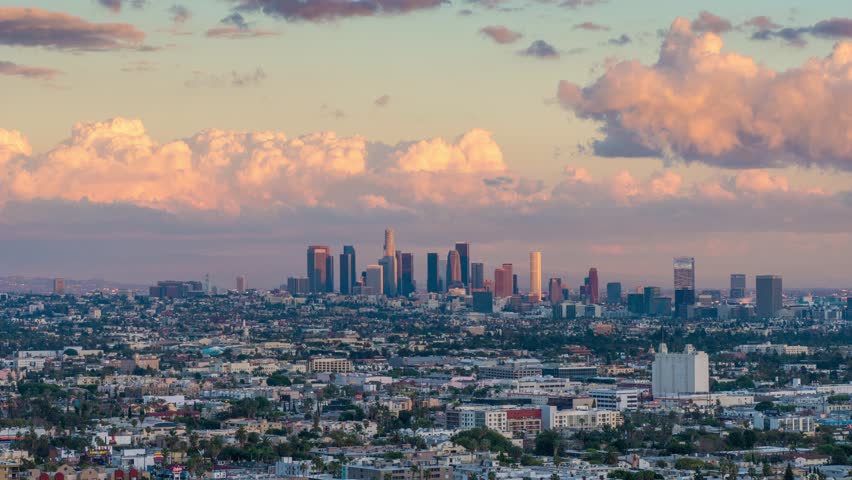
[{"x": 146, "y": 142}]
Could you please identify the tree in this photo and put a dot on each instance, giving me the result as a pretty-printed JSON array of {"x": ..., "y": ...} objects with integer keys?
[
  {"x": 241, "y": 436},
  {"x": 788, "y": 473}
]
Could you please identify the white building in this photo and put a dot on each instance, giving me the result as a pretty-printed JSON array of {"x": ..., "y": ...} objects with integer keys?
[
  {"x": 374, "y": 279},
  {"x": 673, "y": 374},
  {"x": 620, "y": 400},
  {"x": 578, "y": 419}
]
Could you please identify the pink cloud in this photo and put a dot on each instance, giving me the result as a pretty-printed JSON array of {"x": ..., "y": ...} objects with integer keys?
[
  {"x": 501, "y": 34},
  {"x": 32, "y": 26}
]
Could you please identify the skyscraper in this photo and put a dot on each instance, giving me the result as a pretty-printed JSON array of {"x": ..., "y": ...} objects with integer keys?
[
  {"x": 650, "y": 293},
  {"x": 613, "y": 293},
  {"x": 515, "y": 290},
  {"x": 535, "y": 275},
  {"x": 477, "y": 276},
  {"x": 769, "y": 290},
  {"x": 554, "y": 291},
  {"x": 388, "y": 264},
  {"x": 346, "y": 275},
  {"x": 329, "y": 273},
  {"x": 317, "y": 272},
  {"x": 453, "y": 277},
  {"x": 464, "y": 261},
  {"x": 684, "y": 273},
  {"x": 406, "y": 266},
  {"x": 738, "y": 286},
  {"x": 432, "y": 272},
  {"x": 593, "y": 292},
  {"x": 241, "y": 283},
  {"x": 389, "y": 247},
  {"x": 59, "y": 286},
  {"x": 353, "y": 265},
  {"x": 375, "y": 279},
  {"x": 503, "y": 280}
]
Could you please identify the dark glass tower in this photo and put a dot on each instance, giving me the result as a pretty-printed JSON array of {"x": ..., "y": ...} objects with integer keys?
[
  {"x": 769, "y": 290},
  {"x": 464, "y": 261},
  {"x": 613, "y": 293},
  {"x": 477, "y": 276},
  {"x": 353, "y": 268},
  {"x": 738, "y": 286},
  {"x": 346, "y": 283},
  {"x": 406, "y": 261},
  {"x": 318, "y": 256},
  {"x": 432, "y": 272}
]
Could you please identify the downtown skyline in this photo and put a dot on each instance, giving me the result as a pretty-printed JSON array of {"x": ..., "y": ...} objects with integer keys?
[{"x": 146, "y": 141}]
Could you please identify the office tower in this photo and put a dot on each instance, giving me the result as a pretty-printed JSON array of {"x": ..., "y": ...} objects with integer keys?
[
  {"x": 317, "y": 268},
  {"x": 662, "y": 306},
  {"x": 515, "y": 290},
  {"x": 347, "y": 276},
  {"x": 442, "y": 273},
  {"x": 329, "y": 273},
  {"x": 375, "y": 280},
  {"x": 477, "y": 276},
  {"x": 298, "y": 286},
  {"x": 503, "y": 279},
  {"x": 406, "y": 266},
  {"x": 453, "y": 277},
  {"x": 650, "y": 293},
  {"x": 353, "y": 265},
  {"x": 613, "y": 293},
  {"x": 593, "y": 286},
  {"x": 535, "y": 275},
  {"x": 389, "y": 247},
  {"x": 768, "y": 295},
  {"x": 636, "y": 303},
  {"x": 738, "y": 286},
  {"x": 59, "y": 286},
  {"x": 464, "y": 260},
  {"x": 398, "y": 258},
  {"x": 673, "y": 374},
  {"x": 388, "y": 264},
  {"x": 241, "y": 283},
  {"x": 483, "y": 301},
  {"x": 554, "y": 291},
  {"x": 432, "y": 272},
  {"x": 684, "y": 296},
  {"x": 684, "y": 273}
]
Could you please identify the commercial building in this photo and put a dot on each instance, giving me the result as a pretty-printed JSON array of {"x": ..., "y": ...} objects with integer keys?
[
  {"x": 579, "y": 419},
  {"x": 375, "y": 279},
  {"x": 330, "y": 365},
  {"x": 769, "y": 291},
  {"x": 616, "y": 399},
  {"x": 511, "y": 369},
  {"x": 298, "y": 285},
  {"x": 454, "y": 276},
  {"x": 674, "y": 374},
  {"x": 535, "y": 276},
  {"x": 463, "y": 249},
  {"x": 593, "y": 293},
  {"x": 738, "y": 286},
  {"x": 432, "y": 272},
  {"x": 483, "y": 301},
  {"x": 241, "y": 283},
  {"x": 613, "y": 293},
  {"x": 477, "y": 276},
  {"x": 406, "y": 285},
  {"x": 320, "y": 269}
]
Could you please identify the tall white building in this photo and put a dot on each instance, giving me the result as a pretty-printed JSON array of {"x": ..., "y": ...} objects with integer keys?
[
  {"x": 673, "y": 374},
  {"x": 535, "y": 275},
  {"x": 374, "y": 279}
]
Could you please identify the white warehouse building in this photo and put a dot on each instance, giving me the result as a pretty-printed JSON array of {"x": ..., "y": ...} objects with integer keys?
[{"x": 674, "y": 374}]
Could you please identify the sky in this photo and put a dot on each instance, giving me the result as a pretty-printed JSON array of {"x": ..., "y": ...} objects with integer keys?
[{"x": 146, "y": 139}]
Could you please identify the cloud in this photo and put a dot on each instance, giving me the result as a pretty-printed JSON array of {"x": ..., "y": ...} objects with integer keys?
[
  {"x": 501, "y": 34},
  {"x": 331, "y": 10},
  {"x": 595, "y": 27},
  {"x": 761, "y": 22},
  {"x": 37, "y": 73},
  {"x": 540, "y": 49},
  {"x": 180, "y": 14},
  {"x": 622, "y": 39},
  {"x": 573, "y": 4},
  {"x": 382, "y": 101},
  {"x": 760, "y": 181},
  {"x": 708, "y": 22},
  {"x": 140, "y": 66},
  {"x": 700, "y": 104},
  {"x": 235, "y": 27},
  {"x": 834, "y": 28},
  {"x": 34, "y": 27},
  {"x": 116, "y": 5},
  {"x": 234, "y": 79}
]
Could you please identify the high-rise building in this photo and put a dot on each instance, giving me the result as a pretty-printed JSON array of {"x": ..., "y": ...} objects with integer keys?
[
  {"x": 674, "y": 374},
  {"x": 375, "y": 280},
  {"x": 432, "y": 272},
  {"x": 477, "y": 276},
  {"x": 684, "y": 273},
  {"x": 347, "y": 279},
  {"x": 769, "y": 292},
  {"x": 613, "y": 293},
  {"x": 59, "y": 286},
  {"x": 298, "y": 285},
  {"x": 503, "y": 279},
  {"x": 453, "y": 277},
  {"x": 241, "y": 283},
  {"x": 483, "y": 301},
  {"x": 738, "y": 286},
  {"x": 593, "y": 292},
  {"x": 636, "y": 303},
  {"x": 388, "y": 264},
  {"x": 650, "y": 293},
  {"x": 535, "y": 275},
  {"x": 329, "y": 273},
  {"x": 389, "y": 249},
  {"x": 464, "y": 261},
  {"x": 406, "y": 266},
  {"x": 515, "y": 290},
  {"x": 554, "y": 291},
  {"x": 317, "y": 268},
  {"x": 353, "y": 265}
]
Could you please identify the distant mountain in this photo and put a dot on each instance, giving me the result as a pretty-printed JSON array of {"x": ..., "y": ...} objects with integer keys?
[{"x": 44, "y": 286}]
